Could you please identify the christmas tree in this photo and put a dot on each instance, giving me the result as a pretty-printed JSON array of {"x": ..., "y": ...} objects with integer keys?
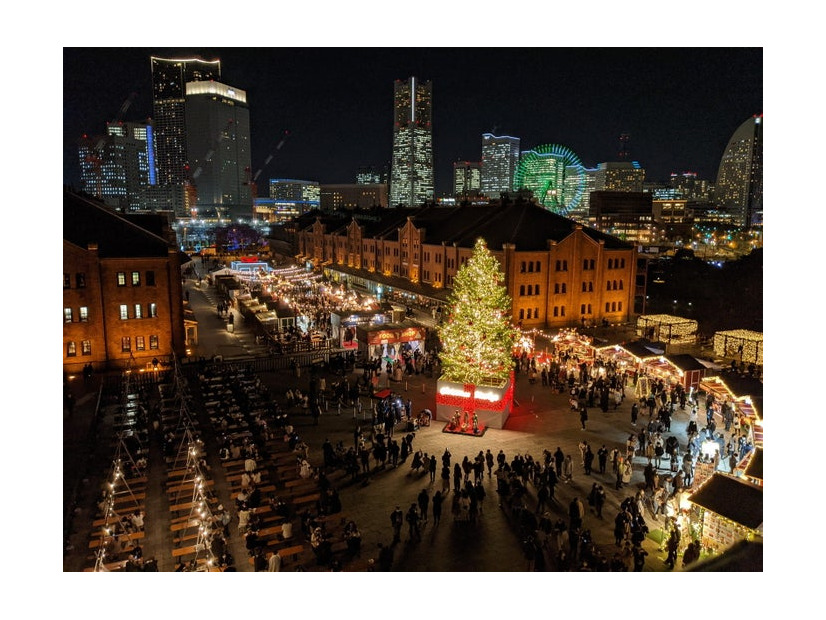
[{"x": 477, "y": 338}]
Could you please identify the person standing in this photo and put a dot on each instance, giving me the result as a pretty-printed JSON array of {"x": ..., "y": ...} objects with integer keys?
[
  {"x": 583, "y": 416},
  {"x": 432, "y": 469},
  {"x": 559, "y": 458},
  {"x": 489, "y": 462},
  {"x": 602, "y": 458},
  {"x": 568, "y": 469},
  {"x": 599, "y": 501},
  {"x": 589, "y": 460},
  {"x": 576, "y": 512},
  {"x": 396, "y": 520},
  {"x": 412, "y": 517},
  {"x": 437, "y": 507},
  {"x": 424, "y": 503},
  {"x": 635, "y": 411},
  {"x": 446, "y": 479}
]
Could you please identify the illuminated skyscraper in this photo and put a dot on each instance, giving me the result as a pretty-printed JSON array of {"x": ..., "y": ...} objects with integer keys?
[
  {"x": 500, "y": 157},
  {"x": 218, "y": 145},
  {"x": 739, "y": 188},
  {"x": 467, "y": 179},
  {"x": 619, "y": 176},
  {"x": 119, "y": 166},
  {"x": 411, "y": 175},
  {"x": 169, "y": 79}
]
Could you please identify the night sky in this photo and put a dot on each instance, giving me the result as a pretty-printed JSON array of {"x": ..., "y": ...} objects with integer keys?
[{"x": 679, "y": 105}]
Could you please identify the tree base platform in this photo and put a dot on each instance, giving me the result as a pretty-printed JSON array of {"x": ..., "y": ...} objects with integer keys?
[{"x": 457, "y": 430}]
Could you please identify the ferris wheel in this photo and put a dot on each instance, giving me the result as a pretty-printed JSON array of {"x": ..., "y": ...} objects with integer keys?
[{"x": 556, "y": 176}]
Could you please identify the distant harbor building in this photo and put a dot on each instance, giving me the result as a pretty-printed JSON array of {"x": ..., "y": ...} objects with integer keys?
[
  {"x": 739, "y": 187},
  {"x": 500, "y": 157}
]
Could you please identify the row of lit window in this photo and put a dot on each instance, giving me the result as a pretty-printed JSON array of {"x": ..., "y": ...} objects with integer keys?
[
  {"x": 138, "y": 311},
  {"x": 82, "y": 315},
  {"x": 80, "y": 280},
  {"x": 559, "y": 311},
  {"x": 136, "y": 278}
]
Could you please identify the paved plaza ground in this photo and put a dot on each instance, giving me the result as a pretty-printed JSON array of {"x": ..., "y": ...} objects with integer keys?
[{"x": 541, "y": 420}]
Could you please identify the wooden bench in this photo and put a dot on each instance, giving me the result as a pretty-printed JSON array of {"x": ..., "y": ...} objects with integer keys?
[
  {"x": 111, "y": 566},
  {"x": 191, "y": 549},
  {"x": 189, "y": 505},
  {"x": 130, "y": 497},
  {"x": 287, "y": 553},
  {"x": 182, "y": 525},
  {"x": 118, "y": 538},
  {"x": 270, "y": 488},
  {"x": 236, "y": 477},
  {"x": 188, "y": 486},
  {"x": 306, "y": 499}
]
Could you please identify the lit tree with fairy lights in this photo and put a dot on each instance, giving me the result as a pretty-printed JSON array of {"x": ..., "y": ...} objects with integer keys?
[{"x": 477, "y": 338}]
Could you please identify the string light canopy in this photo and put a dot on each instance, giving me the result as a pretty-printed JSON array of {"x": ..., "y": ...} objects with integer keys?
[
  {"x": 477, "y": 338},
  {"x": 743, "y": 343},
  {"x": 667, "y": 328}
]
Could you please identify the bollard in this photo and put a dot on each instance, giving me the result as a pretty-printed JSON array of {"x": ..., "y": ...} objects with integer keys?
[
  {"x": 405, "y": 386},
  {"x": 422, "y": 388}
]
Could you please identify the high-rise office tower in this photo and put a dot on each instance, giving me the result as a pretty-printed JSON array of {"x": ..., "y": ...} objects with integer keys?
[
  {"x": 411, "y": 174},
  {"x": 619, "y": 176},
  {"x": 500, "y": 157},
  {"x": 169, "y": 79},
  {"x": 739, "y": 188},
  {"x": 119, "y": 166},
  {"x": 689, "y": 186},
  {"x": 467, "y": 178},
  {"x": 218, "y": 146}
]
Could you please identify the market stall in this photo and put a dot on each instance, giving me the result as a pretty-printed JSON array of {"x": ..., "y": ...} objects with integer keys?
[
  {"x": 682, "y": 369},
  {"x": 725, "y": 510},
  {"x": 745, "y": 404},
  {"x": 627, "y": 357},
  {"x": 740, "y": 344},
  {"x": 390, "y": 342},
  {"x": 573, "y": 345},
  {"x": 667, "y": 328}
]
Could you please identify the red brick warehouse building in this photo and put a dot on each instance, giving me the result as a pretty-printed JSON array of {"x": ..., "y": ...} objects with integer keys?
[
  {"x": 557, "y": 272},
  {"x": 122, "y": 293}
]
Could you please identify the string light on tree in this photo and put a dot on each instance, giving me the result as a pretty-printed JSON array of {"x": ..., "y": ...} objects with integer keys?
[{"x": 477, "y": 343}]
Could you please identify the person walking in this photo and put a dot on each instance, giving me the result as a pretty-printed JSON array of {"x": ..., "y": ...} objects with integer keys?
[{"x": 583, "y": 416}]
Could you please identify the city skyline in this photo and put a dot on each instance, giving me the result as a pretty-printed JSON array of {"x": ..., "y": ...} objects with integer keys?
[{"x": 323, "y": 113}]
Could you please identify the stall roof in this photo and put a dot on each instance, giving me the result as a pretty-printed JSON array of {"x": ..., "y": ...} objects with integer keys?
[
  {"x": 685, "y": 362},
  {"x": 742, "y": 556},
  {"x": 755, "y": 467},
  {"x": 640, "y": 348},
  {"x": 738, "y": 501}
]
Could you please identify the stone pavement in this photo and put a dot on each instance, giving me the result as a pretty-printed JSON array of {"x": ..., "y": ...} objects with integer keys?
[{"x": 540, "y": 420}]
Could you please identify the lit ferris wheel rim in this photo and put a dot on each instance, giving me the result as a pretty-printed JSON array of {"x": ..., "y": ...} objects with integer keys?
[{"x": 569, "y": 160}]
